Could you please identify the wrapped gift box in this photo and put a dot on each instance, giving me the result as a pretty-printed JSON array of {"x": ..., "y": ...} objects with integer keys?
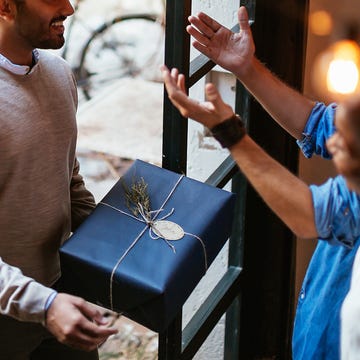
[{"x": 119, "y": 262}]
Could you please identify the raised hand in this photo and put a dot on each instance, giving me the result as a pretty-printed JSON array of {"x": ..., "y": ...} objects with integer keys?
[
  {"x": 232, "y": 51},
  {"x": 209, "y": 113},
  {"x": 77, "y": 323}
]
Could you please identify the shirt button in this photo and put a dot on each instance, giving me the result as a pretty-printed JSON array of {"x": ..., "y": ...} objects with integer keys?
[{"x": 302, "y": 294}]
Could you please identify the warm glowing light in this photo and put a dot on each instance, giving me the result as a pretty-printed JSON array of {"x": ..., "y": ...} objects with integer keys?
[
  {"x": 336, "y": 70},
  {"x": 321, "y": 23},
  {"x": 342, "y": 76}
]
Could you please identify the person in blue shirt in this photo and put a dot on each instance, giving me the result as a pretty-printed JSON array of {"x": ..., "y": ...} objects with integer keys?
[
  {"x": 350, "y": 311},
  {"x": 328, "y": 212}
]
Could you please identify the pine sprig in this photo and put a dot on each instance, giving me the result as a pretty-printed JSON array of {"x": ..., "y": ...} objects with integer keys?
[{"x": 137, "y": 194}]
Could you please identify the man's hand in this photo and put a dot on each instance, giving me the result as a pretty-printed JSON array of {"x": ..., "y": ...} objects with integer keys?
[
  {"x": 76, "y": 323},
  {"x": 209, "y": 113},
  {"x": 232, "y": 51}
]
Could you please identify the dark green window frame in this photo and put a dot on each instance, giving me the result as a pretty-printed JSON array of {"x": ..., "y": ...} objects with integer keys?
[{"x": 256, "y": 293}]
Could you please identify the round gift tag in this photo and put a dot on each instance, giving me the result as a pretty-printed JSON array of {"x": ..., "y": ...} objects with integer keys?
[{"x": 168, "y": 230}]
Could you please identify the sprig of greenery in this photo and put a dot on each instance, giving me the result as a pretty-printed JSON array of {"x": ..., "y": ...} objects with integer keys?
[{"x": 136, "y": 194}]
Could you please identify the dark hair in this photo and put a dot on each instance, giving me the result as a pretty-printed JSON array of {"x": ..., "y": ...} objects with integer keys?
[{"x": 19, "y": 3}]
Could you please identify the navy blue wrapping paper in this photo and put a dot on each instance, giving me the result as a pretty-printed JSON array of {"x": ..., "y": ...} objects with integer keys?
[{"x": 151, "y": 283}]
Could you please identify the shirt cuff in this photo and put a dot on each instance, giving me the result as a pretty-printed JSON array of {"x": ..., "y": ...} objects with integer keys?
[
  {"x": 50, "y": 299},
  {"x": 306, "y": 144}
]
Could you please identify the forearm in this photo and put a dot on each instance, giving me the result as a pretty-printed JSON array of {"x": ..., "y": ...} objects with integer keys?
[
  {"x": 20, "y": 296},
  {"x": 284, "y": 193},
  {"x": 287, "y": 106}
]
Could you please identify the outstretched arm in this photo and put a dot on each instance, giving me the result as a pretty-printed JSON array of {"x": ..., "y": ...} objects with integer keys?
[
  {"x": 285, "y": 194},
  {"x": 70, "y": 319},
  {"x": 236, "y": 53}
]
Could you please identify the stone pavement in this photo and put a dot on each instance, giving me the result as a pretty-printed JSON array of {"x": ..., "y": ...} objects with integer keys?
[{"x": 123, "y": 122}]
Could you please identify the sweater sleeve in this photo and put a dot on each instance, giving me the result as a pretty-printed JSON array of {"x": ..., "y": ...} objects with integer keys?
[
  {"x": 82, "y": 201},
  {"x": 22, "y": 297}
]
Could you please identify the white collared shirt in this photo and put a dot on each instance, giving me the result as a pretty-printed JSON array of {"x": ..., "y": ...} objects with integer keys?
[{"x": 18, "y": 69}]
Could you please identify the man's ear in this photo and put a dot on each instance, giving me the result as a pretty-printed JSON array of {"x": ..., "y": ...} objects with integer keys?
[{"x": 7, "y": 9}]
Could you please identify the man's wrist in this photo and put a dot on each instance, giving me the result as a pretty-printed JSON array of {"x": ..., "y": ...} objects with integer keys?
[{"x": 230, "y": 131}]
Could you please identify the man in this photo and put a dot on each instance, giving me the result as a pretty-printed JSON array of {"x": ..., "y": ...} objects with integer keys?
[
  {"x": 350, "y": 312},
  {"x": 329, "y": 212},
  {"x": 316, "y": 330},
  {"x": 42, "y": 195}
]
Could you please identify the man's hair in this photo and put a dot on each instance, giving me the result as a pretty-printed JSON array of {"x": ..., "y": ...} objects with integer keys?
[{"x": 19, "y": 3}]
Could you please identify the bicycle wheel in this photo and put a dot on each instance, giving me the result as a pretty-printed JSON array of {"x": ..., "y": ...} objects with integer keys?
[{"x": 125, "y": 46}]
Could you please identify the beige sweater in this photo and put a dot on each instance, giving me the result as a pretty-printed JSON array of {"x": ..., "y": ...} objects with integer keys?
[{"x": 42, "y": 196}]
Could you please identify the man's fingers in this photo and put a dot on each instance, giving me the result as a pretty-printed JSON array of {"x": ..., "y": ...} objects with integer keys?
[
  {"x": 175, "y": 75},
  {"x": 181, "y": 83},
  {"x": 174, "y": 83},
  {"x": 201, "y": 27},
  {"x": 91, "y": 330},
  {"x": 197, "y": 35},
  {"x": 189, "y": 108},
  {"x": 94, "y": 322},
  {"x": 90, "y": 311},
  {"x": 84, "y": 335},
  {"x": 209, "y": 21},
  {"x": 212, "y": 93},
  {"x": 203, "y": 49},
  {"x": 170, "y": 84},
  {"x": 243, "y": 19},
  {"x": 175, "y": 95},
  {"x": 84, "y": 342},
  {"x": 223, "y": 110},
  {"x": 77, "y": 323}
]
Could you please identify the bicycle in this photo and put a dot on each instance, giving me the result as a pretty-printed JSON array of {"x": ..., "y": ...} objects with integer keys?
[{"x": 128, "y": 45}]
